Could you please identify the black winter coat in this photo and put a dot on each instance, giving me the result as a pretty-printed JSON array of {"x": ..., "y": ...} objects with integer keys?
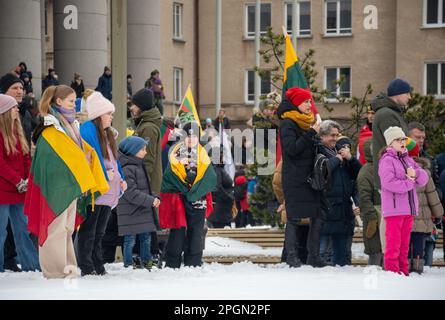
[
  {"x": 222, "y": 196},
  {"x": 339, "y": 218},
  {"x": 298, "y": 154},
  {"x": 135, "y": 213}
]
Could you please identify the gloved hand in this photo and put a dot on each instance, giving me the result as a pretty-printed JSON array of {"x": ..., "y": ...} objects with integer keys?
[
  {"x": 371, "y": 229},
  {"x": 22, "y": 186}
]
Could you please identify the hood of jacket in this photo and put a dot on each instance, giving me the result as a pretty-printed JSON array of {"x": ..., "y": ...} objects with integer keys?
[
  {"x": 285, "y": 106},
  {"x": 383, "y": 101},
  {"x": 153, "y": 115},
  {"x": 130, "y": 160}
]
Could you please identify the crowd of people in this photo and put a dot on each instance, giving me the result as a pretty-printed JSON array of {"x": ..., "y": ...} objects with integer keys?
[{"x": 70, "y": 194}]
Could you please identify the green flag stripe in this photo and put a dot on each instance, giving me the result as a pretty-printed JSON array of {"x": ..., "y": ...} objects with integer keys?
[{"x": 57, "y": 184}]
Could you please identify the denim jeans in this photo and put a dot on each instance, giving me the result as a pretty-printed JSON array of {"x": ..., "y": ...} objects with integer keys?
[
  {"x": 429, "y": 250},
  {"x": 129, "y": 242},
  {"x": 339, "y": 243},
  {"x": 26, "y": 251}
]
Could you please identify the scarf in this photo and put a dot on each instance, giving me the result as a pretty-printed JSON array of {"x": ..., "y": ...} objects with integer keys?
[
  {"x": 68, "y": 114},
  {"x": 70, "y": 129},
  {"x": 304, "y": 121}
]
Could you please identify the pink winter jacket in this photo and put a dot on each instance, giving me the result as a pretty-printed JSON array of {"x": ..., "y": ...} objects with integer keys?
[{"x": 398, "y": 193}]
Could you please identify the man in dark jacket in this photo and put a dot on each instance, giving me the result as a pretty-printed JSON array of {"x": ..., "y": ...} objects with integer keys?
[
  {"x": 339, "y": 219},
  {"x": 148, "y": 120},
  {"x": 222, "y": 122},
  {"x": 50, "y": 80},
  {"x": 417, "y": 132},
  {"x": 104, "y": 84},
  {"x": 388, "y": 113}
]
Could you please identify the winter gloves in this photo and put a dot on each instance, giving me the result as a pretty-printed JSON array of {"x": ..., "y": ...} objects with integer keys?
[
  {"x": 22, "y": 186},
  {"x": 371, "y": 229}
]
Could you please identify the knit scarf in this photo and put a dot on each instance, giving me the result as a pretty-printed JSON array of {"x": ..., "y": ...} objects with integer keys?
[
  {"x": 68, "y": 114},
  {"x": 303, "y": 120},
  {"x": 71, "y": 130}
]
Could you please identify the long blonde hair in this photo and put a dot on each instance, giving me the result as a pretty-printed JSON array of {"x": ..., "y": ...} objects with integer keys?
[
  {"x": 51, "y": 94},
  {"x": 10, "y": 130}
]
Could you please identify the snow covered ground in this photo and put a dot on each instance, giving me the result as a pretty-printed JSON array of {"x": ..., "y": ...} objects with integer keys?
[
  {"x": 225, "y": 247},
  {"x": 238, "y": 281}
]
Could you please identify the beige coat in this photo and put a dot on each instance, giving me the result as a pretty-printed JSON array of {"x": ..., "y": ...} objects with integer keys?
[{"x": 429, "y": 204}]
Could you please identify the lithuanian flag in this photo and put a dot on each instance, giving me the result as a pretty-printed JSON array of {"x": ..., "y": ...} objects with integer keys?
[
  {"x": 293, "y": 74},
  {"x": 187, "y": 111},
  {"x": 174, "y": 188},
  {"x": 60, "y": 173}
]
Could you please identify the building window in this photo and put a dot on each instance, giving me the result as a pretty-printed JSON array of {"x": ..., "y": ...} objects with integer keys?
[
  {"x": 435, "y": 79},
  {"x": 250, "y": 85},
  {"x": 332, "y": 75},
  {"x": 338, "y": 17},
  {"x": 434, "y": 13},
  {"x": 265, "y": 20},
  {"x": 177, "y": 21},
  {"x": 177, "y": 85},
  {"x": 304, "y": 18}
]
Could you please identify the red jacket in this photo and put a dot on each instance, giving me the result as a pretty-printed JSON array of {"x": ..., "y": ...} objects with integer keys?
[
  {"x": 244, "y": 204},
  {"x": 13, "y": 168},
  {"x": 365, "y": 134}
]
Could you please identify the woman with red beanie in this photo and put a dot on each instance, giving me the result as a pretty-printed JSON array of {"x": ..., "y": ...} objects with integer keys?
[{"x": 298, "y": 129}]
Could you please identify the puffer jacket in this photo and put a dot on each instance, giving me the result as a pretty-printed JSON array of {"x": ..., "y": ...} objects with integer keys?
[
  {"x": 398, "y": 193},
  {"x": 429, "y": 203}
]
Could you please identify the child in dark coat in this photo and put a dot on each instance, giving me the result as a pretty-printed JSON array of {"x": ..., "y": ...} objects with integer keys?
[{"x": 135, "y": 210}]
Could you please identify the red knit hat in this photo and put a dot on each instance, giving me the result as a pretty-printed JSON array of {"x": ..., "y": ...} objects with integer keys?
[{"x": 298, "y": 95}]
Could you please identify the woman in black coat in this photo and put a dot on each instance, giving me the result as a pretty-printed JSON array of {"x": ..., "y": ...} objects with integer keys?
[
  {"x": 339, "y": 221},
  {"x": 297, "y": 133}
]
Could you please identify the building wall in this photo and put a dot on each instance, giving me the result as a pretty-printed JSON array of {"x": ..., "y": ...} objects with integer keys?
[
  {"x": 177, "y": 54},
  {"x": 416, "y": 44}
]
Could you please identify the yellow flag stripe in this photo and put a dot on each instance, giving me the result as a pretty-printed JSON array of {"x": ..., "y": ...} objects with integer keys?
[
  {"x": 290, "y": 57},
  {"x": 70, "y": 154}
]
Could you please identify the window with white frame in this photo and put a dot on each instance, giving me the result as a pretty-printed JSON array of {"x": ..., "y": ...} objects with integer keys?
[
  {"x": 434, "y": 13},
  {"x": 332, "y": 76},
  {"x": 250, "y": 85},
  {"x": 304, "y": 18},
  {"x": 435, "y": 79},
  {"x": 177, "y": 85},
  {"x": 177, "y": 20},
  {"x": 338, "y": 17},
  {"x": 265, "y": 19}
]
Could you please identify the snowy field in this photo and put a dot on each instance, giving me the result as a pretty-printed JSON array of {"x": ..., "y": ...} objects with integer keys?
[{"x": 238, "y": 281}]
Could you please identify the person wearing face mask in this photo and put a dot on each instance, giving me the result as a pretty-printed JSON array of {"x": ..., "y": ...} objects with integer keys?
[{"x": 65, "y": 169}]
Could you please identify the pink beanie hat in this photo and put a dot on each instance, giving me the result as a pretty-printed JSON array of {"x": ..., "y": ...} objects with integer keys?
[
  {"x": 7, "y": 103},
  {"x": 97, "y": 105}
]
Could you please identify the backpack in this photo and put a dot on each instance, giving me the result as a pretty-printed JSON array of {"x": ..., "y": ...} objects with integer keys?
[{"x": 320, "y": 175}]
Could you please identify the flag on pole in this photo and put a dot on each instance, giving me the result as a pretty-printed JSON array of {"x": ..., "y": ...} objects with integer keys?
[
  {"x": 187, "y": 111},
  {"x": 293, "y": 74}
]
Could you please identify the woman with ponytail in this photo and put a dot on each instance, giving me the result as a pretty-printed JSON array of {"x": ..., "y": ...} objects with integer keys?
[
  {"x": 15, "y": 162},
  {"x": 64, "y": 169},
  {"x": 97, "y": 131}
]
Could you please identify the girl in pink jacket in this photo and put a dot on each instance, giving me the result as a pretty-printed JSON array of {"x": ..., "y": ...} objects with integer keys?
[{"x": 399, "y": 176}]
